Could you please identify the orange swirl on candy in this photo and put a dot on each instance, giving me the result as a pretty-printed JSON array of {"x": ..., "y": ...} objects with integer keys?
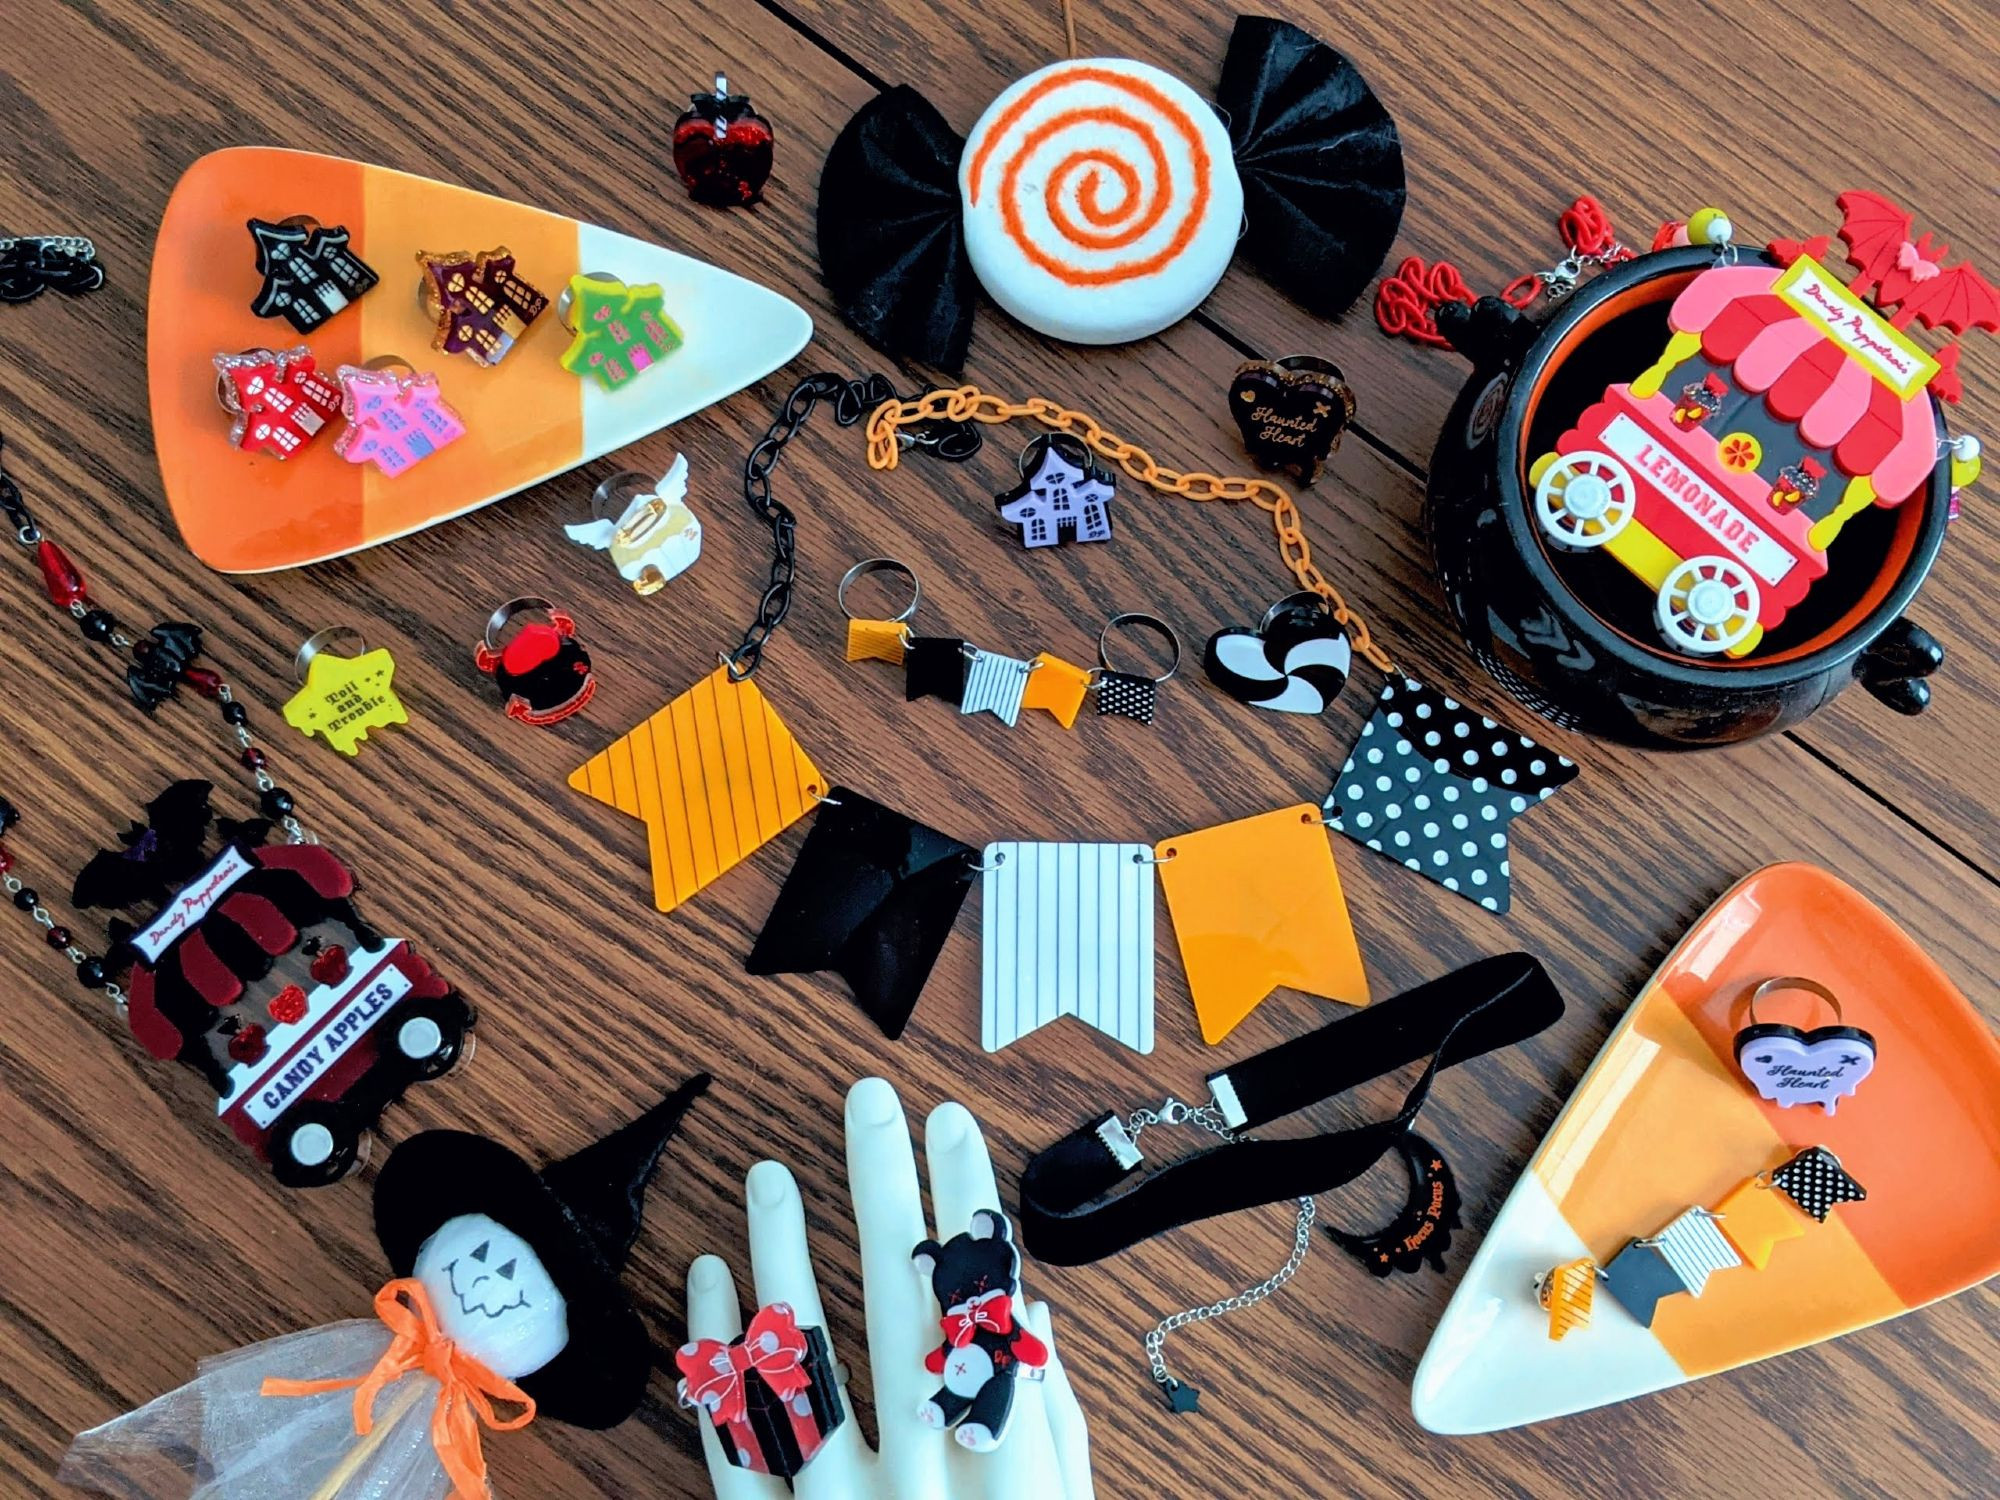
[{"x": 1080, "y": 175}]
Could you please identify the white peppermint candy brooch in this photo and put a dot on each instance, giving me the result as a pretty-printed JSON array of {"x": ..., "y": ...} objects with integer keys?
[
  {"x": 1788, "y": 1066},
  {"x": 1099, "y": 200}
]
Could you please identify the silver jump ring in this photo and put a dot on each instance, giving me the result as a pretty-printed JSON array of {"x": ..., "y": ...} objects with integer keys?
[
  {"x": 1132, "y": 619},
  {"x": 872, "y": 565},
  {"x": 320, "y": 640}
]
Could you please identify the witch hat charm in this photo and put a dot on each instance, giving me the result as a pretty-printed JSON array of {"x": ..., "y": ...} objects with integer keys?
[
  {"x": 604, "y": 1185},
  {"x": 522, "y": 1265}
]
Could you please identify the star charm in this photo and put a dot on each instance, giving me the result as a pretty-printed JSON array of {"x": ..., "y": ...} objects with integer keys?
[{"x": 1181, "y": 1397}]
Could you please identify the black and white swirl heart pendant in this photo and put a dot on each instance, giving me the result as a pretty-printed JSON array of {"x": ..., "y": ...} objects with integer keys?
[{"x": 1295, "y": 662}]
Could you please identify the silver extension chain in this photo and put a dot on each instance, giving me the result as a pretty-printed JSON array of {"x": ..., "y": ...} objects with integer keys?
[{"x": 1207, "y": 1117}]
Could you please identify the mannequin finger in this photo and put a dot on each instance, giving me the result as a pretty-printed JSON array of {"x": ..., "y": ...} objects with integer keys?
[
  {"x": 1067, "y": 1429},
  {"x": 902, "y": 1328},
  {"x": 961, "y": 1170},
  {"x": 779, "y": 1259},
  {"x": 714, "y": 1313},
  {"x": 782, "y": 1266}
]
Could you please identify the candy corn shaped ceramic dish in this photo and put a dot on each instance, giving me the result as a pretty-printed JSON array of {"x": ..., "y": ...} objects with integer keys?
[
  {"x": 526, "y": 417},
  {"x": 1665, "y": 1121}
]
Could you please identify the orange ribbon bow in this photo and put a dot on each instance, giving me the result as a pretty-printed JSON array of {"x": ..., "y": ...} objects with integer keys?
[{"x": 467, "y": 1389}]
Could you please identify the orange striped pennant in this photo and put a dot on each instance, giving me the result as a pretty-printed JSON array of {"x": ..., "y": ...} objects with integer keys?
[
  {"x": 715, "y": 775},
  {"x": 1566, "y": 1292}
]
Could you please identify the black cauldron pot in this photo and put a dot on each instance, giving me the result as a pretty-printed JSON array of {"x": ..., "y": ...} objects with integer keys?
[{"x": 1570, "y": 636}]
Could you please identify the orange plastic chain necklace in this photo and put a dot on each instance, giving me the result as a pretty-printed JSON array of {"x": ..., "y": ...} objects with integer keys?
[{"x": 967, "y": 403}]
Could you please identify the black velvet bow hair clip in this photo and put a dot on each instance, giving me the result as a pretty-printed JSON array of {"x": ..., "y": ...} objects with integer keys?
[{"x": 1100, "y": 200}]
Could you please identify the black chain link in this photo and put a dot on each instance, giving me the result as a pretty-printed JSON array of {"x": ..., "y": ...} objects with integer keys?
[
  {"x": 852, "y": 400},
  {"x": 26, "y": 532},
  {"x": 33, "y": 263}
]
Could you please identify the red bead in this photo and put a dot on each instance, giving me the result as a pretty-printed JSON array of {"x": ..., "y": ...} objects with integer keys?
[
  {"x": 288, "y": 1005},
  {"x": 253, "y": 758},
  {"x": 6, "y": 861},
  {"x": 248, "y": 1045},
  {"x": 59, "y": 575},
  {"x": 329, "y": 965},
  {"x": 204, "y": 680},
  {"x": 58, "y": 937}
]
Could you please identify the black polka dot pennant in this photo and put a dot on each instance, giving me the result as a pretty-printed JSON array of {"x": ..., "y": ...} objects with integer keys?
[
  {"x": 1435, "y": 784},
  {"x": 1816, "y": 1181},
  {"x": 1125, "y": 696}
]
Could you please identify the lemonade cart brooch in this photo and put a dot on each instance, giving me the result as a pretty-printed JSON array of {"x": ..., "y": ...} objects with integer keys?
[{"x": 1786, "y": 402}]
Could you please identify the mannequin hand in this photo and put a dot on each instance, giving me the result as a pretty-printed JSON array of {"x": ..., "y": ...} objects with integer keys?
[{"x": 1045, "y": 1452}]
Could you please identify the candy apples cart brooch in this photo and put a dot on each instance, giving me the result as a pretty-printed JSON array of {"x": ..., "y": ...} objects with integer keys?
[
  {"x": 1786, "y": 402},
  {"x": 252, "y": 966},
  {"x": 506, "y": 1305}
]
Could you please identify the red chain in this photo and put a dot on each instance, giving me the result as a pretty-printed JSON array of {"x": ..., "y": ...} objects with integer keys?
[{"x": 1406, "y": 303}]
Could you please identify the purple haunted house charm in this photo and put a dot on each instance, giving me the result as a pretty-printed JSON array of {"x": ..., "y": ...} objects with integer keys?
[
  {"x": 1063, "y": 495},
  {"x": 480, "y": 303}
]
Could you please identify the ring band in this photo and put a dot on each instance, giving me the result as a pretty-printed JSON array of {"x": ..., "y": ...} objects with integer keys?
[
  {"x": 872, "y": 565},
  {"x": 617, "y": 492},
  {"x": 1138, "y": 620},
  {"x": 319, "y": 641},
  {"x": 568, "y": 297},
  {"x": 1297, "y": 599},
  {"x": 1794, "y": 982},
  {"x": 505, "y": 613}
]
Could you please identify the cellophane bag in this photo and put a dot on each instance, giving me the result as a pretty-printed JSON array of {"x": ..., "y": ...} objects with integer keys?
[{"x": 219, "y": 1438}]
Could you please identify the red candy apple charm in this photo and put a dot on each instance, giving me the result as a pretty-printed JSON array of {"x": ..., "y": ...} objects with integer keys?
[{"x": 722, "y": 148}]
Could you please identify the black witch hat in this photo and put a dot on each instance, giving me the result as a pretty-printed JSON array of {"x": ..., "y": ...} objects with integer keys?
[{"x": 581, "y": 1215}]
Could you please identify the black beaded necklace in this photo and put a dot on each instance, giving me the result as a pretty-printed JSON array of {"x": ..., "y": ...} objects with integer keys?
[{"x": 160, "y": 662}]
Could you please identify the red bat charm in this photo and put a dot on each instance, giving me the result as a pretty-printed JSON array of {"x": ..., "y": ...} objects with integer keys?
[{"x": 1910, "y": 274}]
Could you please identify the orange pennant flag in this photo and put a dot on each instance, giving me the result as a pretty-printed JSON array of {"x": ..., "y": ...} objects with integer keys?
[
  {"x": 1257, "y": 905},
  {"x": 715, "y": 775}
]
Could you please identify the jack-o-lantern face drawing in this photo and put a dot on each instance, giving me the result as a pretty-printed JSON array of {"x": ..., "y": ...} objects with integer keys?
[{"x": 493, "y": 1296}]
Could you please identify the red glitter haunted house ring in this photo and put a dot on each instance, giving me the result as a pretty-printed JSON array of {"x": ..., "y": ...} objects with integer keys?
[
  {"x": 258, "y": 973},
  {"x": 280, "y": 401}
]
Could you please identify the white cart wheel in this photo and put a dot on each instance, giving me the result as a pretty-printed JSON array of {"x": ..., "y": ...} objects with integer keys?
[
  {"x": 1707, "y": 605},
  {"x": 1584, "y": 499},
  {"x": 420, "y": 1037},
  {"x": 312, "y": 1145}
]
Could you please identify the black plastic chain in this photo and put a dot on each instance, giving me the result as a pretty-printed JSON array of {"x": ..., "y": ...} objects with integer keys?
[
  {"x": 952, "y": 442},
  {"x": 33, "y": 263},
  {"x": 26, "y": 532},
  {"x": 852, "y": 400}
]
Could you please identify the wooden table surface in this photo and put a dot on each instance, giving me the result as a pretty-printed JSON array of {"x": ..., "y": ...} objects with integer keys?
[{"x": 136, "y": 1237}]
